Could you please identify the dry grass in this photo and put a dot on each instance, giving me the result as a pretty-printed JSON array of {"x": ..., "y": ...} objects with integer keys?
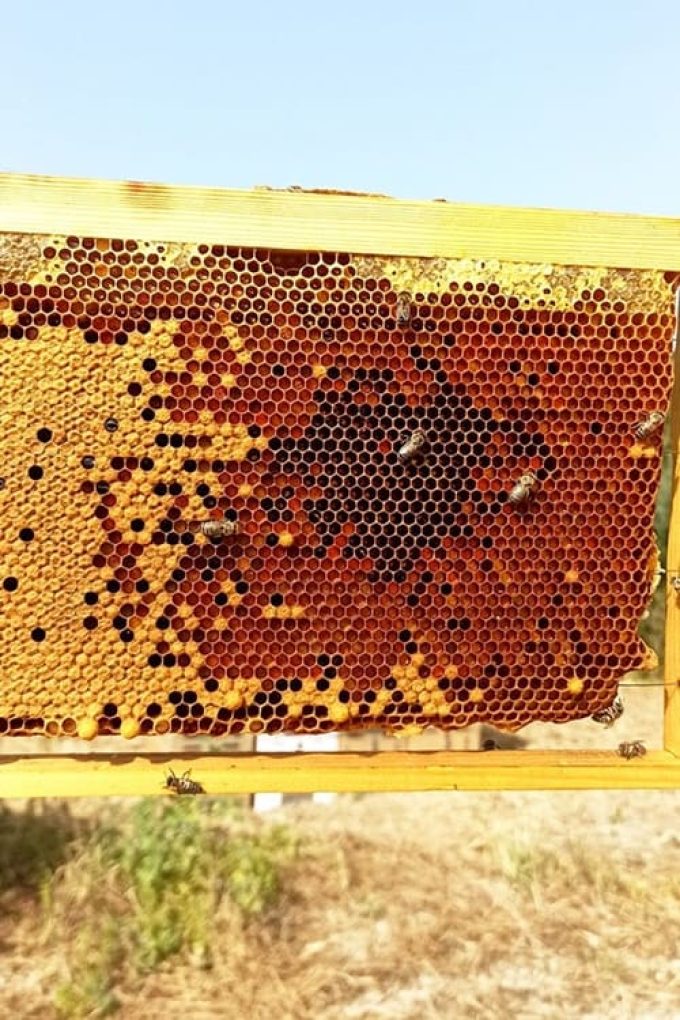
[
  {"x": 399, "y": 907},
  {"x": 392, "y": 907}
]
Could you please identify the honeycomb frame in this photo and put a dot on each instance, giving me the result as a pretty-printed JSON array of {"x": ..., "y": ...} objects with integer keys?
[{"x": 416, "y": 249}]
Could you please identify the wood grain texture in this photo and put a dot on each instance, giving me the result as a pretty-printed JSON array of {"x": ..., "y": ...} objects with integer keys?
[
  {"x": 128, "y": 775},
  {"x": 361, "y": 224}
]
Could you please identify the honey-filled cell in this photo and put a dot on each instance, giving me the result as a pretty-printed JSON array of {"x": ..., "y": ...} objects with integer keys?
[{"x": 261, "y": 491}]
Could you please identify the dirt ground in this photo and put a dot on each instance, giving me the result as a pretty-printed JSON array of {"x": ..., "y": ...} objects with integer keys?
[
  {"x": 422, "y": 906},
  {"x": 435, "y": 906}
]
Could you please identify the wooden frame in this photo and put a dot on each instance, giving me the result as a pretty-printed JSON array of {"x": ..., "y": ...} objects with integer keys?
[{"x": 375, "y": 225}]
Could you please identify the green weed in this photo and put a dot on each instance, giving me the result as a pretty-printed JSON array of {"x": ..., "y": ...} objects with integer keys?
[
  {"x": 32, "y": 844},
  {"x": 538, "y": 870},
  {"x": 157, "y": 882},
  {"x": 252, "y": 871},
  {"x": 88, "y": 988}
]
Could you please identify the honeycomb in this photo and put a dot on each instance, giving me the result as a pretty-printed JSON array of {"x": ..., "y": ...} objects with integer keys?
[{"x": 260, "y": 491}]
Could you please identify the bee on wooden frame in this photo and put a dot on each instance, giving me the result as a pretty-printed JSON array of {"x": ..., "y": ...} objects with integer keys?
[
  {"x": 632, "y": 749},
  {"x": 182, "y": 785}
]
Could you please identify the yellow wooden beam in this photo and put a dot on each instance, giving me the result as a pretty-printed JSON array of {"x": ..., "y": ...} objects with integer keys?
[
  {"x": 331, "y": 221},
  {"x": 128, "y": 775},
  {"x": 672, "y": 632}
]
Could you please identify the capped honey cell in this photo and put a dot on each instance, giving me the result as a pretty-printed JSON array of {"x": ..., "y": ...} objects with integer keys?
[{"x": 253, "y": 491}]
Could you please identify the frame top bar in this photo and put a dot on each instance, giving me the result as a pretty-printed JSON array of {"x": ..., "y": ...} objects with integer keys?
[{"x": 335, "y": 221}]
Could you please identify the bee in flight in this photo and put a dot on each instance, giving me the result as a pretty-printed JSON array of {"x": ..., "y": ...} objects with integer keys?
[
  {"x": 632, "y": 749},
  {"x": 649, "y": 425},
  {"x": 523, "y": 489},
  {"x": 182, "y": 784},
  {"x": 608, "y": 716}
]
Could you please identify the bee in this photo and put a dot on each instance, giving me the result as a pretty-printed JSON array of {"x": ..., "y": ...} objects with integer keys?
[
  {"x": 182, "y": 784},
  {"x": 608, "y": 716},
  {"x": 632, "y": 749},
  {"x": 523, "y": 490},
  {"x": 490, "y": 745},
  {"x": 649, "y": 425},
  {"x": 414, "y": 444},
  {"x": 403, "y": 309},
  {"x": 216, "y": 530}
]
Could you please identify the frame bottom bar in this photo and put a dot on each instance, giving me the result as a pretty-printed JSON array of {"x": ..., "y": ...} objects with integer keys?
[{"x": 339, "y": 772}]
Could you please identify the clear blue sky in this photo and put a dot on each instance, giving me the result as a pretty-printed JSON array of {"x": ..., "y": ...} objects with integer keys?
[{"x": 568, "y": 104}]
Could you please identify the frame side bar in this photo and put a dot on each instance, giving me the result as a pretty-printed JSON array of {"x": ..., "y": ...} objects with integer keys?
[{"x": 672, "y": 635}]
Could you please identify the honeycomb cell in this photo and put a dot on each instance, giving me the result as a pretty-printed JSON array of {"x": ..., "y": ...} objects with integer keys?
[{"x": 261, "y": 491}]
